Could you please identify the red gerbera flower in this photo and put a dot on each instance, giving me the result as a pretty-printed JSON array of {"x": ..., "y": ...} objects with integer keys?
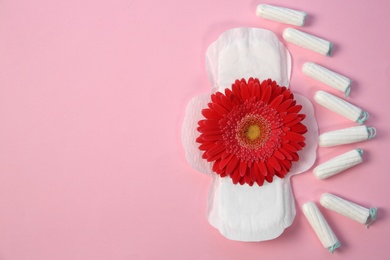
[{"x": 252, "y": 132}]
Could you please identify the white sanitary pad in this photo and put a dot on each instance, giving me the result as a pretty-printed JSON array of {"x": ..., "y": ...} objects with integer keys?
[{"x": 242, "y": 212}]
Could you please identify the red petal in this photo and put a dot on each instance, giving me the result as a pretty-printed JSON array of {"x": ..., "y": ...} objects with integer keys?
[
  {"x": 271, "y": 171},
  {"x": 207, "y": 113},
  {"x": 295, "y": 157},
  {"x": 287, "y": 164},
  {"x": 226, "y": 103},
  {"x": 245, "y": 91},
  {"x": 231, "y": 166},
  {"x": 269, "y": 178},
  {"x": 207, "y": 137},
  {"x": 294, "y": 137},
  {"x": 217, "y": 149},
  {"x": 205, "y": 146},
  {"x": 284, "y": 105},
  {"x": 225, "y": 161},
  {"x": 236, "y": 176},
  {"x": 220, "y": 109},
  {"x": 262, "y": 168},
  {"x": 289, "y": 147},
  {"x": 213, "y": 123},
  {"x": 256, "y": 88},
  {"x": 250, "y": 87},
  {"x": 294, "y": 122},
  {"x": 274, "y": 163},
  {"x": 296, "y": 145},
  {"x": 289, "y": 117},
  {"x": 199, "y": 139},
  {"x": 248, "y": 178},
  {"x": 266, "y": 94},
  {"x": 216, "y": 167},
  {"x": 260, "y": 180},
  {"x": 243, "y": 166},
  {"x": 285, "y": 153},
  {"x": 236, "y": 90},
  {"x": 299, "y": 128},
  {"x": 294, "y": 109},
  {"x": 276, "y": 102},
  {"x": 209, "y": 130},
  {"x": 279, "y": 155}
]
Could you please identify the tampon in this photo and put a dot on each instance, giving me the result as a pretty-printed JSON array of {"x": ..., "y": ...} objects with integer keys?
[
  {"x": 341, "y": 107},
  {"x": 281, "y": 14},
  {"x": 347, "y": 136},
  {"x": 308, "y": 41},
  {"x": 328, "y": 77},
  {"x": 338, "y": 164},
  {"x": 349, "y": 209},
  {"x": 320, "y": 226}
]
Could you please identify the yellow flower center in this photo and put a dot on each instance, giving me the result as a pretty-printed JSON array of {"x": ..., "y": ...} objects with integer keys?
[{"x": 253, "y": 132}]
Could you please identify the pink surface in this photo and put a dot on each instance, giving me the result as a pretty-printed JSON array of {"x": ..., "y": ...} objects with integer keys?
[{"x": 92, "y": 98}]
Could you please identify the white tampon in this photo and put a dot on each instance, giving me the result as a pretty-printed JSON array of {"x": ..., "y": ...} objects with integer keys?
[
  {"x": 349, "y": 209},
  {"x": 347, "y": 136},
  {"x": 281, "y": 14},
  {"x": 338, "y": 164},
  {"x": 308, "y": 41},
  {"x": 320, "y": 226},
  {"x": 341, "y": 107},
  {"x": 327, "y": 77}
]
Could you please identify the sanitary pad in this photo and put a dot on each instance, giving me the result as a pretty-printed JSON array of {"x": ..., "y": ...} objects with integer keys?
[{"x": 243, "y": 212}]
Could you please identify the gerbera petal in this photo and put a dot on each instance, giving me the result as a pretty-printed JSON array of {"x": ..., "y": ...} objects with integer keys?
[
  {"x": 289, "y": 147},
  {"x": 286, "y": 163},
  {"x": 289, "y": 117},
  {"x": 285, "y": 153},
  {"x": 236, "y": 89},
  {"x": 254, "y": 171},
  {"x": 266, "y": 94},
  {"x": 294, "y": 122},
  {"x": 271, "y": 171},
  {"x": 294, "y": 137},
  {"x": 209, "y": 114},
  {"x": 225, "y": 161},
  {"x": 269, "y": 178},
  {"x": 262, "y": 168},
  {"x": 236, "y": 176},
  {"x": 283, "y": 106},
  {"x": 279, "y": 155},
  {"x": 220, "y": 109},
  {"x": 206, "y": 145},
  {"x": 276, "y": 102},
  {"x": 207, "y": 137},
  {"x": 216, "y": 166},
  {"x": 209, "y": 130},
  {"x": 231, "y": 166},
  {"x": 257, "y": 92},
  {"x": 260, "y": 179},
  {"x": 294, "y": 109},
  {"x": 217, "y": 149},
  {"x": 243, "y": 166},
  {"x": 274, "y": 163},
  {"x": 299, "y": 128},
  {"x": 244, "y": 91},
  {"x": 226, "y": 103}
]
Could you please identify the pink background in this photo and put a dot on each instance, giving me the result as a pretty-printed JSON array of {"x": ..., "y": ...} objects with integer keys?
[{"x": 92, "y": 98}]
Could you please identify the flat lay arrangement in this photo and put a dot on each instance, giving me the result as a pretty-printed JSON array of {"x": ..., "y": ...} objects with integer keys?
[
  {"x": 203, "y": 130},
  {"x": 253, "y": 133}
]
